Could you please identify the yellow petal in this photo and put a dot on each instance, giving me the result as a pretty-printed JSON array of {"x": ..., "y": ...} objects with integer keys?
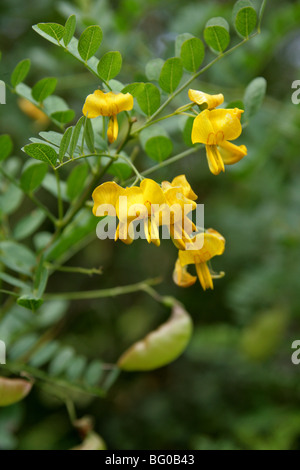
[
  {"x": 204, "y": 276},
  {"x": 214, "y": 159},
  {"x": 206, "y": 246},
  {"x": 107, "y": 104},
  {"x": 129, "y": 203},
  {"x": 123, "y": 102},
  {"x": 205, "y": 100},
  {"x": 231, "y": 153},
  {"x": 113, "y": 129},
  {"x": 226, "y": 123},
  {"x": 203, "y": 130},
  {"x": 181, "y": 277},
  {"x": 182, "y": 182},
  {"x": 152, "y": 192},
  {"x": 106, "y": 193},
  {"x": 33, "y": 111}
]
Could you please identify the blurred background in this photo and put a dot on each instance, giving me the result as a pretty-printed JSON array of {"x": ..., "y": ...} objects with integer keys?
[{"x": 235, "y": 387}]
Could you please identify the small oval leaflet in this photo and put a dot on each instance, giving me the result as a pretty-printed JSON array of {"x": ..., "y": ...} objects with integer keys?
[
  {"x": 216, "y": 34},
  {"x": 89, "y": 42},
  {"x": 244, "y": 17}
]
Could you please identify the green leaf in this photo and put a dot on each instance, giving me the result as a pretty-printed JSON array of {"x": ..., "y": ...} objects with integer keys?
[
  {"x": 171, "y": 74},
  {"x": 254, "y": 96},
  {"x": 135, "y": 89},
  {"x": 43, "y": 88},
  {"x": 11, "y": 199},
  {"x": 17, "y": 257},
  {"x": 109, "y": 65},
  {"x": 6, "y": 146},
  {"x": 76, "y": 368},
  {"x": 160, "y": 347},
  {"x": 89, "y": 42},
  {"x": 54, "y": 30},
  {"x": 244, "y": 17},
  {"x": 13, "y": 281},
  {"x": 235, "y": 104},
  {"x": 50, "y": 185},
  {"x": 70, "y": 27},
  {"x": 76, "y": 180},
  {"x": 94, "y": 372},
  {"x": 63, "y": 117},
  {"x": 187, "y": 131},
  {"x": 33, "y": 175},
  {"x": 180, "y": 39},
  {"x": 75, "y": 135},
  {"x": 192, "y": 54},
  {"x": 61, "y": 361},
  {"x": 20, "y": 72},
  {"x": 159, "y": 148},
  {"x": 216, "y": 34},
  {"x": 13, "y": 390},
  {"x": 42, "y": 152},
  {"x": 30, "y": 302},
  {"x": 54, "y": 103},
  {"x": 52, "y": 137},
  {"x": 28, "y": 224},
  {"x": 82, "y": 226},
  {"x": 153, "y": 69},
  {"x": 149, "y": 99},
  {"x": 120, "y": 169},
  {"x": 44, "y": 354},
  {"x": 89, "y": 135},
  {"x": 64, "y": 144}
]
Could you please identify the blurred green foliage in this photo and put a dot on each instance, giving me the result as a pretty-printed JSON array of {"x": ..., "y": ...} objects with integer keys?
[{"x": 235, "y": 387}]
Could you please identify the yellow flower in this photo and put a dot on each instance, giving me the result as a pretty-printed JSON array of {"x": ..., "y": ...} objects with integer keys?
[
  {"x": 145, "y": 203},
  {"x": 205, "y": 100},
  {"x": 108, "y": 104},
  {"x": 206, "y": 246},
  {"x": 179, "y": 195},
  {"x": 215, "y": 129},
  {"x": 33, "y": 112}
]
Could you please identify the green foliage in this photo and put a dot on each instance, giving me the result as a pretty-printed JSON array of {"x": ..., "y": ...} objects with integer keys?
[
  {"x": 44, "y": 88},
  {"x": 32, "y": 175},
  {"x": 20, "y": 72},
  {"x": 159, "y": 147},
  {"x": 6, "y": 146},
  {"x": 54, "y": 30},
  {"x": 76, "y": 180},
  {"x": 171, "y": 74},
  {"x": 153, "y": 69},
  {"x": 69, "y": 31},
  {"x": 89, "y": 42},
  {"x": 109, "y": 65},
  {"x": 192, "y": 54},
  {"x": 42, "y": 152},
  {"x": 244, "y": 17},
  {"x": 149, "y": 99},
  {"x": 64, "y": 143},
  {"x": 254, "y": 95},
  {"x": 216, "y": 34}
]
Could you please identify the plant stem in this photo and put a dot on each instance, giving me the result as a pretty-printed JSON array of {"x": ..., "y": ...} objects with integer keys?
[
  {"x": 59, "y": 198},
  {"x": 97, "y": 294},
  {"x": 261, "y": 14},
  {"x": 74, "y": 269}
]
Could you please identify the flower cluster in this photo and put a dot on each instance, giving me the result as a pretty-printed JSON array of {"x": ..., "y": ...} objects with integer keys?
[{"x": 170, "y": 205}]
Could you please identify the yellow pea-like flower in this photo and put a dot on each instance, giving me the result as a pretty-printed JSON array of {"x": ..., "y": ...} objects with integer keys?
[
  {"x": 204, "y": 100},
  {"x": 215, "y": 129},
  {"x": 145, "y": 203},
  {"x": 207, "y": 245},
  {"x": 108, "y": 104},
  {"x": 179, "y": 195}
]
